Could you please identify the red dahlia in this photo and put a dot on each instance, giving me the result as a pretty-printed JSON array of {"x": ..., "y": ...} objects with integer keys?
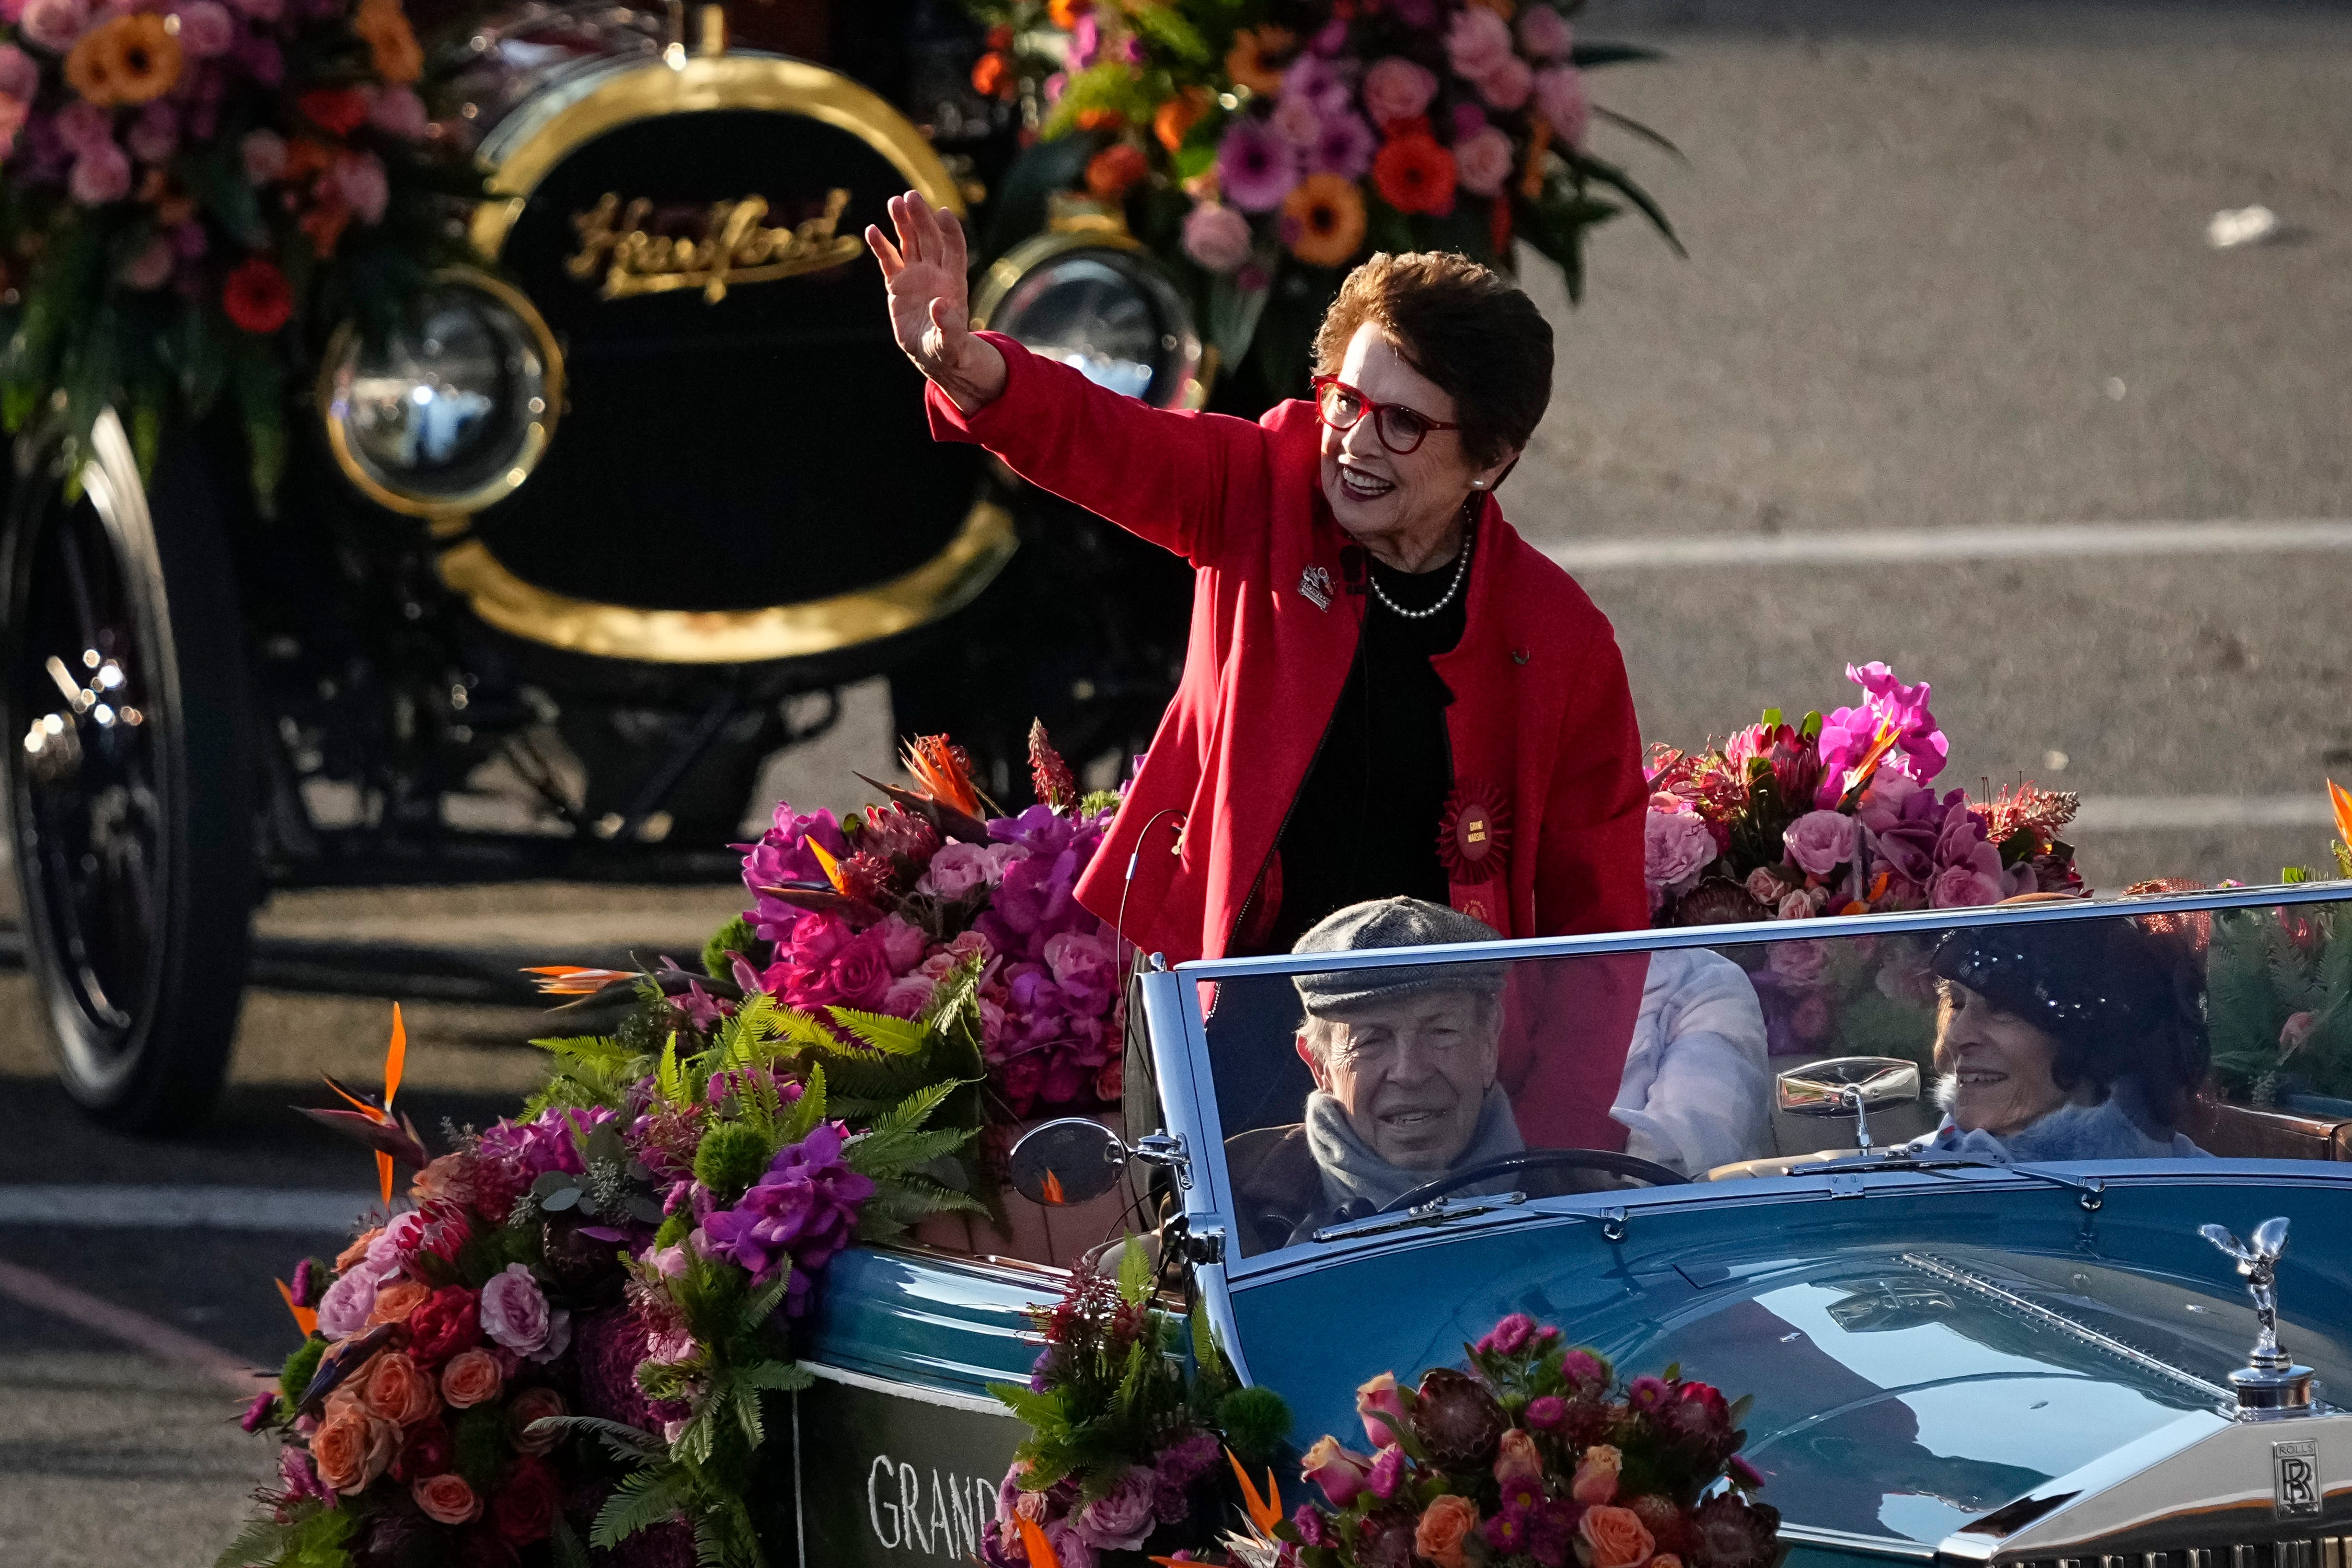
[{"x": 257, "y": 297}]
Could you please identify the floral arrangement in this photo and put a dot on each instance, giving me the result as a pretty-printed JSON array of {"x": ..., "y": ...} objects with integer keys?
[
  {"x": 1261, "y": 149},
  {"x": 872, "y": 909},
  {"x": 619, "y": 1264},
  {"x": 2279, "y": 991},
  {"x": 1532, "y": 1457},
  {"x": 190, "y": 184},
  {"x": 1836, "y": 815},
  {"x": 1125, "y": 1437}
]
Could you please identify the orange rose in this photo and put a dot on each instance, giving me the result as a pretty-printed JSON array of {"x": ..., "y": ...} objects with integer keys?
[
  {"x": 1517, "y": 1456},
  {"x": 395, "y": 1388},
  {"x": 132, "y": 58},
  {"x": 1440, "y": 1534},
  {"x": 1596, "y": 1475},
  {"x": 1665, "y": 1560},
  {"x": 1618, "y": 1537},
  {"x": 534, "y": 1405},
  {"x": 391, "y": 42},
  {"x": 396, "y": 1301},
  {"x": 356, "y": 1251},
  {"x": 352, "y": 1449},
  {"x": 446, "y": 1499},
  {"x": 472, "y": 1378}
]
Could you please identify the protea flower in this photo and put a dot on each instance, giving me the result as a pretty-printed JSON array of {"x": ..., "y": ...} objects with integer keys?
[
  {"x": 1729, "y": 1532},
  {"x": 1457, "y": 1420}
]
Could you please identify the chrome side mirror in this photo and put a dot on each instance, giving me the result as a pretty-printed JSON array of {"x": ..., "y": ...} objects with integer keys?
[
  {"x": 1072, "y": 1159},
  {"x": 1848, "y": 1085}
]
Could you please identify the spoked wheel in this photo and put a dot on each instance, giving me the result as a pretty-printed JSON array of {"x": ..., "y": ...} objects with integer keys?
[{"x": 129, "y": 775}]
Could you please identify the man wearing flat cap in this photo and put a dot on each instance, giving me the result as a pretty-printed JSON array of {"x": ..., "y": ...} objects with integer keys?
[{"x": 1405, "y": 1063}]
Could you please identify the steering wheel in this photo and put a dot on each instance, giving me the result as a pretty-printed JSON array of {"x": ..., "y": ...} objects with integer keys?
[{"x": 1608, "y": 1160}]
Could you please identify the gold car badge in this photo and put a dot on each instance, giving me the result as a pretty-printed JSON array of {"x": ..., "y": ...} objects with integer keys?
[{"x": 733, "y": 247}]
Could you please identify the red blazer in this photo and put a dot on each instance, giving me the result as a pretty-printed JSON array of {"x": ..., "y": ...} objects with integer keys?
[{"x": 1541, "y": 711}]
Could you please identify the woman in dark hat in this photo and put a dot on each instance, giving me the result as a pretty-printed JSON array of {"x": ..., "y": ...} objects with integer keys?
[{"x": 2076, "y": 1040}]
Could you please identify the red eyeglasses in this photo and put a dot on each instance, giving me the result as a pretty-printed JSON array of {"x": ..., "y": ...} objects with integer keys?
[{"x": 1400, "y": 430}]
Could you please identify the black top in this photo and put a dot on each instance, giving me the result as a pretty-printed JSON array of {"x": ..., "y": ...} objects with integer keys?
[{"x": 1364, "y": 824}]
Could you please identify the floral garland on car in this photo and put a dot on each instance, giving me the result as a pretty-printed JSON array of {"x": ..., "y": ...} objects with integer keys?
[
  {"x": 1132, "y": 1414},
  {"x": 192, "y": 186},
  {"x": 1262, "y": 148},
  {"x": 870, "y": 911},
  {"x": 620, "y": 1263},
  {"x": 1532, "y": 1457}
]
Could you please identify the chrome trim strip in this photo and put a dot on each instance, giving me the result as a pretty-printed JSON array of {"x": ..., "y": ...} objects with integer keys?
[
  {"x": 1848, "y": 1541},
  {"x": 970, "y": 1404},
  {"x": 1977, "y": 1284},
  {"x": 1842, "y": 926}
]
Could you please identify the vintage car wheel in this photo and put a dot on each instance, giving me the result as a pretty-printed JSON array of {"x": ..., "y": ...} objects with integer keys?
[{"x": 129, "y": 787}]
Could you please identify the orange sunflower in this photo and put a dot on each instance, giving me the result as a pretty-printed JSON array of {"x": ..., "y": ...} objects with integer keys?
[
  {"x": 391, "y": 42},
  {"x": 1323, "y": 220},
  {"x": 132, "y": 58},
  {"x": 1177, "y": 117},
  {"x": 1251, "y": 62}
]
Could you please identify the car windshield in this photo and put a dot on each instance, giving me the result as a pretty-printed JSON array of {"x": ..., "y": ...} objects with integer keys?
[{"x": 1346, "y": 1089}]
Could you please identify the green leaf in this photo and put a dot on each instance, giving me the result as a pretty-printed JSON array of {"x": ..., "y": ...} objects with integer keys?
[
  {"x": 1593, "y": 57},
  {"x": 569, "y": 1551},
  {"x": 642, "y": 1498},
  {"x": 668, "y": 1078},
  {"x": 1134, "y": 1272},
  {"x": 891, "y": 1036},
  {"x": 1627, "y": 124},
  {"x": 760, "y": 1308},
  {"x": 630, "y": 1445},
  {"x": 1616, "y": 179}
]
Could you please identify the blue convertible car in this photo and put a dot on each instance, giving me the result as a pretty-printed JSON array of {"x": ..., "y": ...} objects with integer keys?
[{"x": 1951, "y": 1193}]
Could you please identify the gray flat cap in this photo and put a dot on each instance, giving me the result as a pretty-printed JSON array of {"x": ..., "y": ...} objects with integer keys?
[{"x": 1393, "y": 923}]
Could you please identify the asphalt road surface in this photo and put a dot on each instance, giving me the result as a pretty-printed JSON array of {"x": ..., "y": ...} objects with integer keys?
[{"x": 1949, "y": 349}]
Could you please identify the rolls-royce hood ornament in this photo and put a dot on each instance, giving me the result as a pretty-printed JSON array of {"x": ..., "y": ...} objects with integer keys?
[{"x": 2270, "y": 1384}]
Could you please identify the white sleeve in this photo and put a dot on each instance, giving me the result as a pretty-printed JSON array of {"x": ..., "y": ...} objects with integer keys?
[{"x": 1709, "y": 1096}]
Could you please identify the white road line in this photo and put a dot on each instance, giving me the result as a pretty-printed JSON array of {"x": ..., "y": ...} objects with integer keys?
[
  {"x": 322, "y": 1210},
  {"x": 2042, "y": 541},
  {"x": 142, "y": 1332},
  {"x": 2192, "y": 813}
]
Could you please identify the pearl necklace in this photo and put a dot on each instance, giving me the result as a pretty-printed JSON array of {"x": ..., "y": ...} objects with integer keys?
[{"x": 1461, "y": 571}]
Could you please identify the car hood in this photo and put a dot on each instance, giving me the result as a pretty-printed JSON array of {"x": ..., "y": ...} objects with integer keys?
[{"x": 1916, "y": 1358}]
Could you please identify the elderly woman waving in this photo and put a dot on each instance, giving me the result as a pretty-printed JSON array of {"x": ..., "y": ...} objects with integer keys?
[{"x": 1387, "y": 691}]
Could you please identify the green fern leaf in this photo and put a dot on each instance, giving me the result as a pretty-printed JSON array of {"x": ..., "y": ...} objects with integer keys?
[{"x": 881, "y": 1032}]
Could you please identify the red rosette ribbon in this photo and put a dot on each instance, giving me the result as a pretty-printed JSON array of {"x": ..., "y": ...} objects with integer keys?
[{"x": 1473, "y": 844}]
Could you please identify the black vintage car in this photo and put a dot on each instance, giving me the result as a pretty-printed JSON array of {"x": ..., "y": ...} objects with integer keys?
[{"x": 613, "y": 519}]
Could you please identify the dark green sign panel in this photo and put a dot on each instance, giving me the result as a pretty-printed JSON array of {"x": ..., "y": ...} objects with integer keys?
[{"x": 895, "y": 1481}]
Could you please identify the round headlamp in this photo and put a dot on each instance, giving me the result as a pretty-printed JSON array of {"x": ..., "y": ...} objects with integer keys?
[
  {"x": 1097, "y": 301},
  {"x": 453, "y": 408}
]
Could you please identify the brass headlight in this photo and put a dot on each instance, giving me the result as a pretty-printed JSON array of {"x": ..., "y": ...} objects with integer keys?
[
  {"x": 1095, "y": 300},
  {"x": 452, "y": 410}
]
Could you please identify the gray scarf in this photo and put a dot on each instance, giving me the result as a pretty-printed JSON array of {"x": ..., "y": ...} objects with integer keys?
[
  {"x": 2100, "y": 1131},
  {"x": 1352, "y": 1172}
]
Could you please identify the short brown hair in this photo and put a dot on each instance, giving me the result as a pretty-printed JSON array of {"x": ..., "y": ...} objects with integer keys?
[{"x": 1465, "y": 327}]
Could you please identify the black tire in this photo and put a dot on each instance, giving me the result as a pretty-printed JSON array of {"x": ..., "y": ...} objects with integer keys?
[{"x": 133, "y": 843}]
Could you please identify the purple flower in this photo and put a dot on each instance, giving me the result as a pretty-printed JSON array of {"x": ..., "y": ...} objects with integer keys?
[
  {"x": 54, "y": 25},
  {"x": 1583, "y": 1369},
  {"x": 548, "y": 1142},
  {"x": 1296, "y": 121},
  {"x": 1648, "y": 1395},
  {"x": 1255, "y": 166},
  {"x": 154, "y": 133},
  {"x": 804, "y": 1207},
  {"x": 1120, "y": 1519},
  {"x": 1477, "y": 43},
  {"x": 299, "y": 1477},
  {"x": 514, "y": 1310},
  {"x": 1676, "y": 846},
  {"x": 205, "y": 29},
  {"x": 259, "y": 1412},
  {"x": 397, "y": 112},
  {"x": 1848, "y": 734},
  {"x": 1085, "y": 39},
  {"x": 781, "y": 856},
  {"x": 1508, "y": 1337},
  {"x": 83, "y": 127},
  {"x": 1178, "y": 1466},
  {"x": 1542, "y": 34},
  {"x": 306, "y": 1275},
  {"x": 1344, "y": 146},
  {"x": 1545, "y": 1411},
  {"x": 344, "y": 1309},
  {"x": 1217, "y": 237},
  {"x": 1559, "y": 99},
  {"x": 1315, "y": 80},
  {"x": 1313, "y": 1529},
  {"x": 1820, "y": 842},
  {"x": 1397, "y": 88}
]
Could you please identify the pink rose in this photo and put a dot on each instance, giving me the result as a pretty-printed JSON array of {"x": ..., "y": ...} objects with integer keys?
[
  {"x": 903, "y": 942},
  {"x": 1964, "y": 887},
  {"x": 957, "y": 870},
  {"x": 1338, "y": 1471},
  {"x": 54, "y": 25},
  {"x": 908, "y": 996},
  {"x": 1071, "y": 1549},
  {"x": 20, "y": 76},
  {"x": 1820, "y": 841},
  {"x": 1120, "y": 1519},
  {"x": 83, "y": 127},
  {"x": 861, "y": 972},
  {"x": 1596, "y": 1476},
  {"x": 398, "y": 1245},
  {"x": 1676, "y": 847},
  {"x": 1559, "y": 99},
  {"x": 1217, "y": 237},
  {"x": 1296, "y": 122},
  {"x": 1799, "y": 963},
  {"x": 265, "y": 156},
  {"x": 1396, "y": 89},
  {"x": 205, "y": 29},
  {"x": 344, "y": 1310},
  {"x": 513, "y": 1310},
  {"x": 2295, "y": 1032},
  {"x": 1796, "y": 905},
  {"x": 398, "y": 112},
  {"x": 1542, "y": 34},
  {"x": 1477, "y": 43},
  {"x": 152, "y": 268},
  {"x": 446, "y": 1499},
  {"x": 1482, "y": 162},
  {"x": 360, "y": 177},
  {"x": 1764, "y": 888},
  {"x": 1376, "y": 1399},
  {"x": 1516, "y": 1456},
  {"x": 1508, "y": 84}
]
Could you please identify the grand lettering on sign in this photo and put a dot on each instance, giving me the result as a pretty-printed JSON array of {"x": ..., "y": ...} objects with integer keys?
[{"x": 942, "y": 1520}]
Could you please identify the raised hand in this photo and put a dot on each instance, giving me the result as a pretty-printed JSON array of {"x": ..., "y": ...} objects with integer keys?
[{"x": 930, "y": 309}]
